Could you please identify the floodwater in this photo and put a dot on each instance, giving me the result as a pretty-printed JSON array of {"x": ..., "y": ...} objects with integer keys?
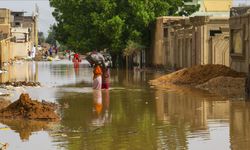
[{"x": 131, "y": 115}]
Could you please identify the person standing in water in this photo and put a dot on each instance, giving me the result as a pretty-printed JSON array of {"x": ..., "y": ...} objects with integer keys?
[
  {"x": 33, "y": 52},
  {"x": 97, "y": 78},
  {"x": 105, "y": 78}
]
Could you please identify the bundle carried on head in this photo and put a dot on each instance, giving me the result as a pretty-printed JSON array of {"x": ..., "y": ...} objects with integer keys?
[{"x": 103, "y": 59}]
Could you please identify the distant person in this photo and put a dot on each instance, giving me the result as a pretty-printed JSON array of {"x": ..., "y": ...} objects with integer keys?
[
  {"x": 56, "y": 50},
  {"x": 46, "y": 53},
  {"x": 76, "y": 57},
  {"x": 33, "y": 51},
  {"x": 97, "y": 78},
  {"x": 50, "y": 51},
  {"x": 29, "y": 53},
  {"x": 69, "y": 52}
]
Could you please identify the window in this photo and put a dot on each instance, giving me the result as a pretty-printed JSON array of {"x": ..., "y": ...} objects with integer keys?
[
  {"x": 165, "y": 32},
  {"x": 237, "y": 41},
  {"x": 17, "y": 24},
  {"x": 214, "y": 32}
]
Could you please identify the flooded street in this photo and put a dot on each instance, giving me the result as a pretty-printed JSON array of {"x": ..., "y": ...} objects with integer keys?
[{"x": 131, "y": 115}]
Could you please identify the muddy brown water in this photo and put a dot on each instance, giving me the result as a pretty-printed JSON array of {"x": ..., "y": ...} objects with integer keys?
[{"x": 131, "y": 115}]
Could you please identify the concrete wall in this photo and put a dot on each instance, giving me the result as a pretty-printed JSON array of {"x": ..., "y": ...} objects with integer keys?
[
  {"x": 184, "y": 42},
  {"x": 239, "y": 43},
  {"x": 30, "y": 22},
  {"x": 20, "y": 50},
  {"x": 158, "y": 45},
  {"x": 161, "y": 54},
  {"x": 4, "y": 31},
  {"x": 4, "y": 23},
  {"x": 217, "y": 5},
  {"x": 5, "y": 51},
  {"x": 5, "y": 17}
]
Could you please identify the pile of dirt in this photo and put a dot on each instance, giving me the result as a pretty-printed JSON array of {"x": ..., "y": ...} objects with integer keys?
[
  {"x": 21, "y": 83},
  {"x": 25, "y": 108},
  {"x": 226, "y": 86},
  {"x": 197, "y": 75},
  {"x": 4, "y": 103}
]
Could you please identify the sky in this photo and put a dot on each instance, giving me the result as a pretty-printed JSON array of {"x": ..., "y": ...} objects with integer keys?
[{"x": 45, "y": 17}]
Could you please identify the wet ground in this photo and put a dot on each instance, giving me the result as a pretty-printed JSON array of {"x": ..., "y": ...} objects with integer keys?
[{"x": 131, "y": 115}]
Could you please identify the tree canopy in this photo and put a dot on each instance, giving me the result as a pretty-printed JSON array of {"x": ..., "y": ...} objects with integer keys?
[
  {"x": 85, "y": 25},
  {"x": 51, "y": 39}
]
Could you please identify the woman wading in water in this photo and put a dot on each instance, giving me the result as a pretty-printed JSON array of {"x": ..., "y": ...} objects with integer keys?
[{"x": 97, "y": 78}]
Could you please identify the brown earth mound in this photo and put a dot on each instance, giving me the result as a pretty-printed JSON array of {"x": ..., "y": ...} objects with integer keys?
[
  {"x": 4, "y": 103},
  {"x": 197, "y": 75},
  {"x": 226, "y": 86},
  {"x": 26, "y": 108}
]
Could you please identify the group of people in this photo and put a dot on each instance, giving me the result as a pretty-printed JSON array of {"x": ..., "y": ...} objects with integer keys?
[
  {"x": 50, "y": 51},
  {"x": 76, "y": 57},
  {"x": 101, "y": 76}
]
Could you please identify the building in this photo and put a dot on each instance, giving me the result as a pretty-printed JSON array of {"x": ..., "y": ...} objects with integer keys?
[
  {"x": 17, "y": 34},
  {"x": 5, "y": 28},
  {"x": 24, "y": 30},
  {"x": 202, "y": 38},
  {"x": 239, "y": 39},
  {"x": 27, "y": 22},
  {"x": 5, "y": 19},
  {"x": 213, "y": 7}
]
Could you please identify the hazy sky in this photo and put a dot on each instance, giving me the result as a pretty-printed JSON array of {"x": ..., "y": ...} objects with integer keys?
[{"x": 45, "y": 17}]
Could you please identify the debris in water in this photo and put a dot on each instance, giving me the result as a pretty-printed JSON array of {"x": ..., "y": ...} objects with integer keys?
[
  {"x": 20, "y": 83},
  {"x": 4, "y": 94}
]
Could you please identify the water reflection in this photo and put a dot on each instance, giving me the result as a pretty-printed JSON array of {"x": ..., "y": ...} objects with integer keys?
[
  {"x": 192, "y": 117},
  {"x": 25, "y": 128},
  {"x": 76, "y": 68},
  {"x": 101, "y": 108},
  {"x": 131, "y": 115},
  {"x": 239, "y": 125},
  {"x": 20, "y": 72}
]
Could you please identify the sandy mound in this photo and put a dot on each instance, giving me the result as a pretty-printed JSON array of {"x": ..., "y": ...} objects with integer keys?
[
  {"x": 26, "y": 108},
  {"x": 233, "y": 87},
  {"x": 228, "y": 82},
  {"x": 4, "y": 103},
  {"x": 197, "y": 75}
]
